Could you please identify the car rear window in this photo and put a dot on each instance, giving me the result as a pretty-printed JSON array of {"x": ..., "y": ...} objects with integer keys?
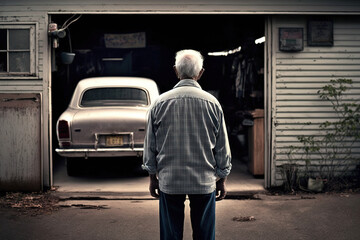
[{"x": 123, "y": 96}]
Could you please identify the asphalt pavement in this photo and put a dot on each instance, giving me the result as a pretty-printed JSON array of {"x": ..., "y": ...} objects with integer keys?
[{"x": 262, "y": 216}]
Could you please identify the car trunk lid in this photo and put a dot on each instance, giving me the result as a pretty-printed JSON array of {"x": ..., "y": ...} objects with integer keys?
[{"x": 92, "y": 126}]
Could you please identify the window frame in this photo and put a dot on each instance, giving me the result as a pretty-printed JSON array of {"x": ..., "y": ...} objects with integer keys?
[
  {"x": 33, "y": 73},
  {"x": 80, "y": 105}
]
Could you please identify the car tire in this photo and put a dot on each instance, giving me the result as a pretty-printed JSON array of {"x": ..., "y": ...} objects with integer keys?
[{"x": 72, "y": 166}]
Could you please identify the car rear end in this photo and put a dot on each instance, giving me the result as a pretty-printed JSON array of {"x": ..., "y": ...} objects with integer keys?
[
  {"x": 103, "y": 134},
  {"x": 107, "y": 121}
]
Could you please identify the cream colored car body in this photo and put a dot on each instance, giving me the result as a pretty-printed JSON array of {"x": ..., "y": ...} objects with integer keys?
[{"x": 105, "y": 131}]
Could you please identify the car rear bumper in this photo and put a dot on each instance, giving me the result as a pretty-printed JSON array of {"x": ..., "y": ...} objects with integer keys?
[{"x": 100, "y": 152}]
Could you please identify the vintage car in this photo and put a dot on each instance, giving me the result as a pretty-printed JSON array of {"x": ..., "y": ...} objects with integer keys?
[{"x": 106, "y": 117}]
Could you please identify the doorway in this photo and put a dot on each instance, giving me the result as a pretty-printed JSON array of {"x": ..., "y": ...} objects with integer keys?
[{"x": 234, "y": 73}]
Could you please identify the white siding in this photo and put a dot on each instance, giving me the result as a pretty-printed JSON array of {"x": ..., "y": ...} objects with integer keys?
[
  {"x": 38, "y": 84},
  {"x": 20, "y": 7},
  {"x": 299, "y": 75}
]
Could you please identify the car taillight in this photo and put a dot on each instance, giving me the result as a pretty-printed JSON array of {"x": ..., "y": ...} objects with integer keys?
[{"x": 63, "y": 129}]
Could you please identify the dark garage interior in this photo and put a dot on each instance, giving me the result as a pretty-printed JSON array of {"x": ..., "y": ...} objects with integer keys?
[{"x": 236, "y": 79}]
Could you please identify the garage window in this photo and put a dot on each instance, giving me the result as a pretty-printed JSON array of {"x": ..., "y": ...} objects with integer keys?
[{"x": 17, "y": 50}]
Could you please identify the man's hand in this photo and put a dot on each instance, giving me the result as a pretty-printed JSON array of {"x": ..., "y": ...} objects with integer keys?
[
  {"x": 220, "y": 189},
  {"x": 154, "y": 185}
]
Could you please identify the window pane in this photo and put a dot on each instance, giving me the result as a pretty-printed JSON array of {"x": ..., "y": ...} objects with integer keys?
[
  {"x": 114, "y": 97},
  {"x": 3, "y": 39},
  {"x": 19, "y": 39},
  {"x": 19, "y": 62},
  {"x": 3, "y": 65}
]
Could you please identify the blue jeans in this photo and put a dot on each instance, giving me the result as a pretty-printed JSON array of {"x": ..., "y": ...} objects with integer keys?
[{"x": 202, "y": 214}]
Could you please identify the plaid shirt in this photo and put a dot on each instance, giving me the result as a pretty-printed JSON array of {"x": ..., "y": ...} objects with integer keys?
[{"x": 186, "y": 141}]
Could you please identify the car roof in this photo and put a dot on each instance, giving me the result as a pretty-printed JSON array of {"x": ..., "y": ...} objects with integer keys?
[
  {"x": 115, "y": 81},
  {"x": 97, "y": 82}
]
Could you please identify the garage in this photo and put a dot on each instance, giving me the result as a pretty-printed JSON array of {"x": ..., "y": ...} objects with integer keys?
[
  {"x": 308, "y": 43},
  {"x": 234, "y": 73}
]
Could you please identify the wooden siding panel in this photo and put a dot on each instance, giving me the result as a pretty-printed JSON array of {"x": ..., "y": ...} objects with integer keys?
[
  {"x": 318, "y": 67},
  {"x": 19, "y": 15},
  {"x": 299, "y": 75},
  {"x": 20, "y": 149},
  {"x": 316, "y": 55}
]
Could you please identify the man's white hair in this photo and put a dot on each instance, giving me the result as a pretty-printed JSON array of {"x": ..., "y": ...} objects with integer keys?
[{"x": 188, "y": 63}]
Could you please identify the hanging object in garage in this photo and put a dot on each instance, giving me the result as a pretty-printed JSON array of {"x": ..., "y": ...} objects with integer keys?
[{"x": 129, "y": 40}]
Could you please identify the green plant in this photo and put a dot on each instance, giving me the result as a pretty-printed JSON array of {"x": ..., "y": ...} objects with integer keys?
[{"x": 329, "y": 155}]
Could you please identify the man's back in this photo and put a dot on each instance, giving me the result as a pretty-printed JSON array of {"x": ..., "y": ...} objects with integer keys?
[
  {"x": 185, "y": 149},
  {"x": 188, "y": 125}
]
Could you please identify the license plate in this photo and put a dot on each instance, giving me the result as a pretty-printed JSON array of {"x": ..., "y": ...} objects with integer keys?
[{"x": 114, "y": 141}]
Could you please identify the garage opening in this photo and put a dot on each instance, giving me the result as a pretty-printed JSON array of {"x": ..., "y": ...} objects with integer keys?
[{"x": 142, "y": 45}]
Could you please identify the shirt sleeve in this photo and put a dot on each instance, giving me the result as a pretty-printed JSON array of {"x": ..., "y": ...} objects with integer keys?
[
  {"x": 222, "y": 151},
  {"x": 149, "y": 154}
]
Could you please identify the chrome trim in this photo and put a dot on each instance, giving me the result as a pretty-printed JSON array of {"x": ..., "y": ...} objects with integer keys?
[
  {"x": 89, "y": 152},
  {"x": 60, "y": 150}
]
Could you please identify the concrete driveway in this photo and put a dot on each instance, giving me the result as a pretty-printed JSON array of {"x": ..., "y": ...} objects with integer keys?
[{"x": 125, "y": 176}]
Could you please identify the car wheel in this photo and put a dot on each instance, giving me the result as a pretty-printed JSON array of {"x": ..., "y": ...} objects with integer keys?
[{"x": 72, "y": 166}]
